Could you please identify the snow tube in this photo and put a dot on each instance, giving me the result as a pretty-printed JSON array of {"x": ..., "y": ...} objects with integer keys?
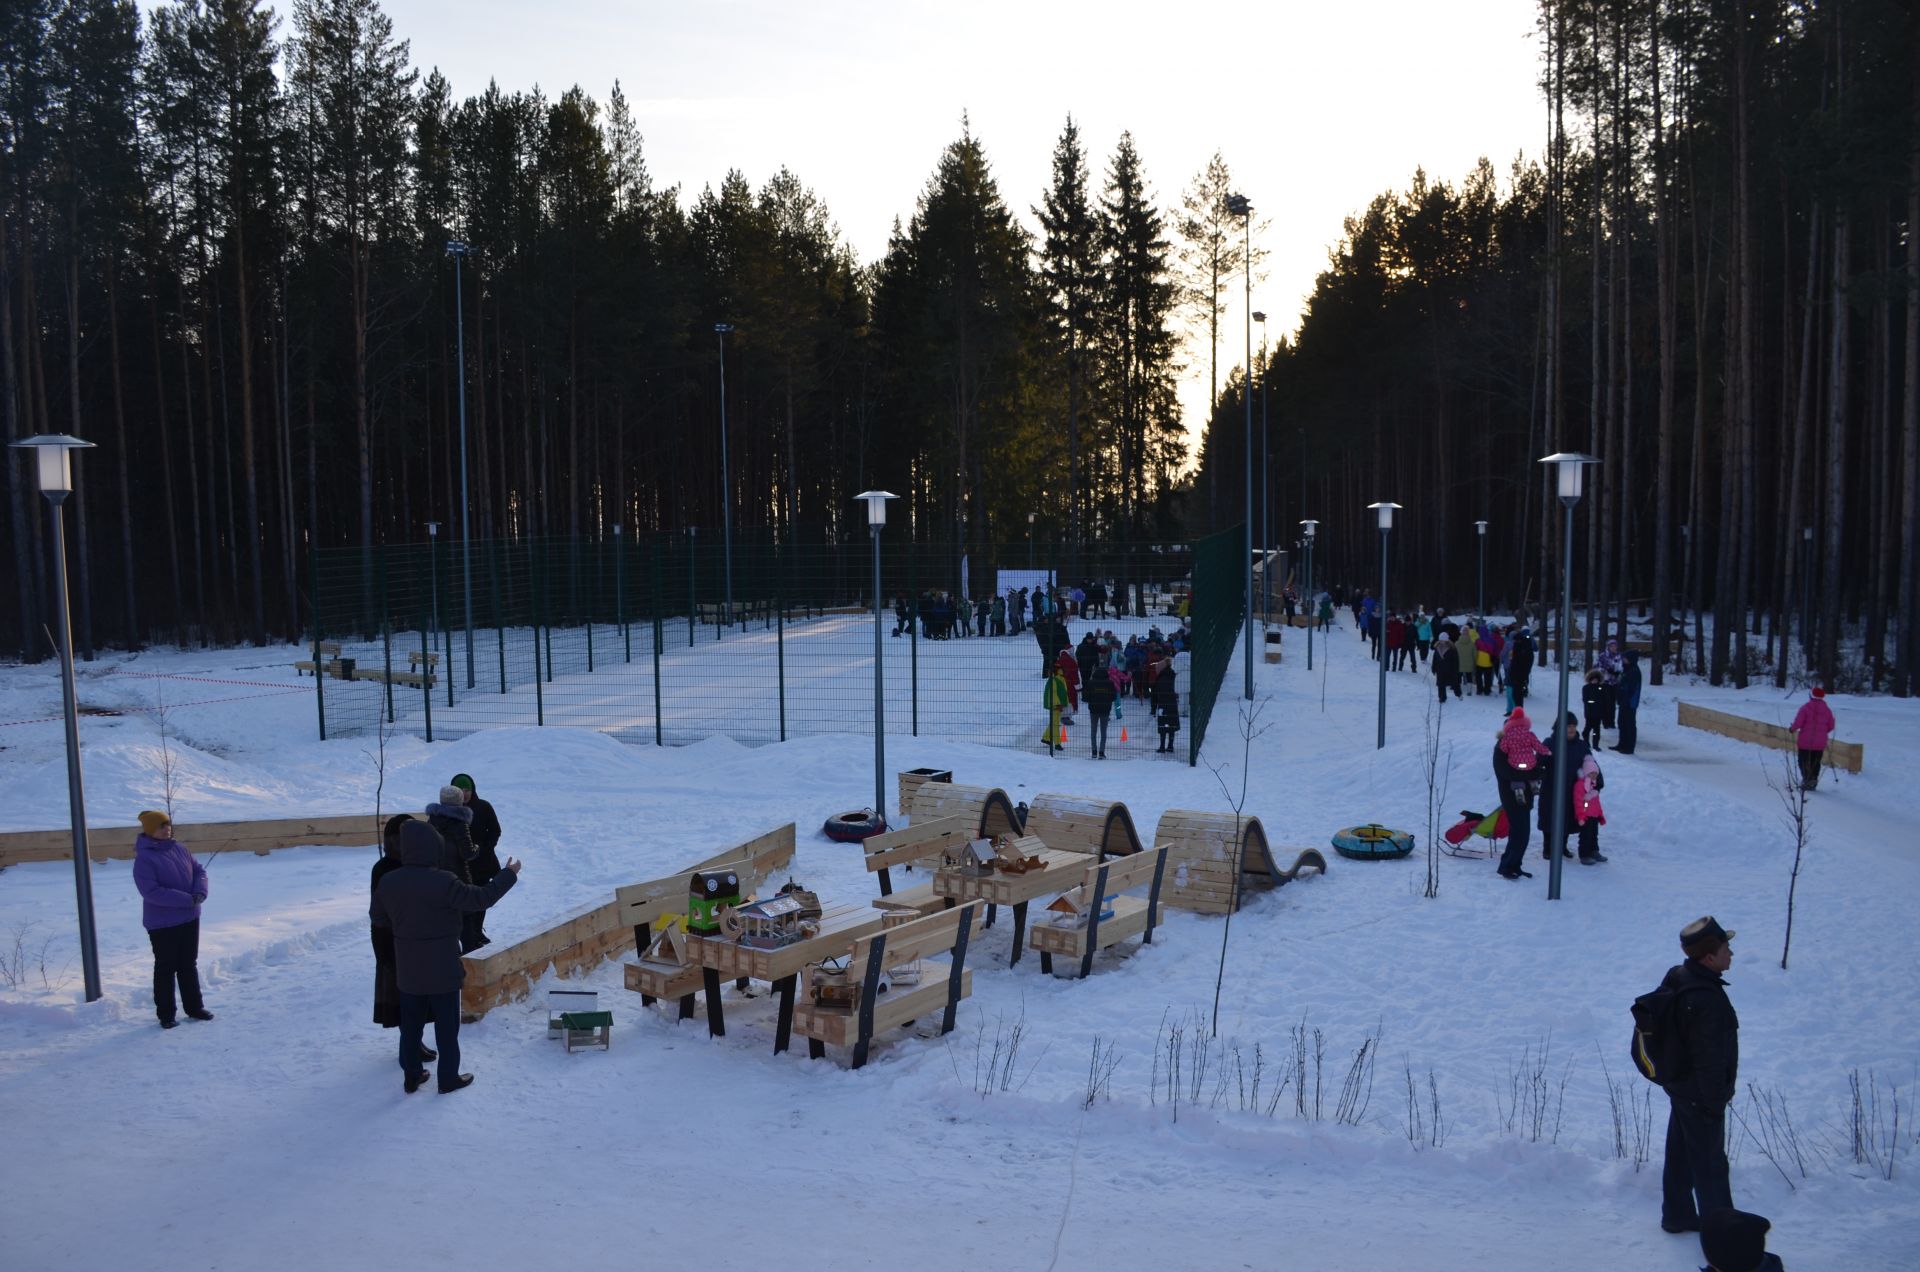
[
  {"x": 851, "y": 828},
  {"x": 1372, "y": 842}
]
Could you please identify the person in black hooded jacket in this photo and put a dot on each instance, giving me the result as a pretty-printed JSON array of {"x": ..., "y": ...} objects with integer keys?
[
  {"x": 485, "y": 831},
  {"x": 423, "y": 905},
  {"x": 1570, "y": 751},
  {"x": 1694, "y": 1179}
]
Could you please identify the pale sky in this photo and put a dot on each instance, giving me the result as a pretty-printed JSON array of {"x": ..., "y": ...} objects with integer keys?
[{"x": 1315, "y": 106}]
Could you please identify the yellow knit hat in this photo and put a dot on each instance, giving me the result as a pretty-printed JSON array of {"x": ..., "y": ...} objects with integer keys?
[{"x": 151, "y": 821}]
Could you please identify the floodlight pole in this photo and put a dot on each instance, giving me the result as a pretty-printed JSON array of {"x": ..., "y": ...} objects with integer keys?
[
  {"x": 1240, "y": 206},
  {"x": 726, "y": 493},
  {"x": 1313, "y": 608},
  {"x": 458, "y": 250},
  {"x": 1385, "y": 509},
  {"x": 1481, "y": 612},
  {"x": 876, "y": 501}
]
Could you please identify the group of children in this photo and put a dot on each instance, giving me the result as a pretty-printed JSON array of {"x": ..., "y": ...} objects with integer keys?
[{"x": 1105, "y": 672}]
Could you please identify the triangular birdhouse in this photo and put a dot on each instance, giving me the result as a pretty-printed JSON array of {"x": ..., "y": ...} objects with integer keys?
[{"x": 666, "y": 948}]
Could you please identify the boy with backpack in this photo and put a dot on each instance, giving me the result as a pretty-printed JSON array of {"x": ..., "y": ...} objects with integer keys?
[{"x": 1686, "y": 1038}]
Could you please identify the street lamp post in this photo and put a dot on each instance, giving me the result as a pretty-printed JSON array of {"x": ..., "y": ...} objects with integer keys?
[
  {"x": 1571, "y": 468},
  {"x": 1313, "y": 611},
  {"x": 1030, "y": 517},
  {"x": 1385, "y": 509},
  {"x": 1481, "y": 612},
  {"x": 619, "y": 594},
  {"x": 1239, "y": 205},
  {"x": 51, "y": 452},
  {"x": 876, "y": 501},
  {"x": 458, "y": 250},
  {"x": 726, "y": 494},
  {"x": 1806, "y": 592}
]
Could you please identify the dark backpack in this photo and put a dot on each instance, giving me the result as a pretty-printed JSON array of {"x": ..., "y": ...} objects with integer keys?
[{"x": 1659, "y": 1048}]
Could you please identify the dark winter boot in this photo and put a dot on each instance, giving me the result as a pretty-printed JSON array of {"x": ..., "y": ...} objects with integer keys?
[{"x": 460, "y": 1083}]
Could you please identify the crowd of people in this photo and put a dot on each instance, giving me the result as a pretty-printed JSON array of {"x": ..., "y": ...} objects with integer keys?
[
  {"x": 1107, "y": 673},
  {"x": 944, "y": 615}
]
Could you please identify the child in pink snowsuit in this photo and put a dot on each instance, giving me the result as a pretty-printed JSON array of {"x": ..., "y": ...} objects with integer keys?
[
  {"x": 1586, "y": 795},
  {"x": 1523, "y": 750},
  {"x": 1812, "y": 728}
]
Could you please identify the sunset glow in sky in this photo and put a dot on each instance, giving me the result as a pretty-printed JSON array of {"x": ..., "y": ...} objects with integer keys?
[{"x": 1315, "y": 106}]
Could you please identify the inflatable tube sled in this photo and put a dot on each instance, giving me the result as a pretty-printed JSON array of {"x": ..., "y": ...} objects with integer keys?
[
  {"x": 851, "y": 828},
  {"x": 1372, "y": 842}
]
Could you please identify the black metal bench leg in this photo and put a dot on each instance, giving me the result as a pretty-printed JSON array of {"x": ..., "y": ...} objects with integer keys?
[
  {"x": 992, "y": 911},
  {"x": 783, "y": 1031},
  {"x": 1019, "y": 931},
  {"x": 686, "y": 1006},
  {"x": 816, "y": 1049},
  {"x": 1046, "y": 962},
  {"x": 716, "y": 1014}
]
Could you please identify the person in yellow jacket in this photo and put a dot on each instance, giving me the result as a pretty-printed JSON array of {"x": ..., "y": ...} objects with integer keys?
[{"x": 1054, "y": 698}]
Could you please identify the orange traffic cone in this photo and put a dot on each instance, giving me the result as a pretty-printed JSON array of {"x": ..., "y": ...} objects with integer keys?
[{"x": 1123, "y": 733}]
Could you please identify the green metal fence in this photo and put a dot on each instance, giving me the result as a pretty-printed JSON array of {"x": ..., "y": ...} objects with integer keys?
[
  {"x": 1218, "y": 610},
  {"x": 673, "y": 638}
]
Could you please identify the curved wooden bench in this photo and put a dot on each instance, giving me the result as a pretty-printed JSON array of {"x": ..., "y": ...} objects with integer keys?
[
  {"x": 1201, "y": 850},
  {"x": 1100, "y": 828},
  {"x": 986, "y": 809}
]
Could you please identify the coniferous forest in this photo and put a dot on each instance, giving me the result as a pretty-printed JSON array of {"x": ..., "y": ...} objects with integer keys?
[{"x": 225, "y": 261}]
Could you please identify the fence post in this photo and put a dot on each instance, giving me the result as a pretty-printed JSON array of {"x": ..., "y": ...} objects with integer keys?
[
  {"x": 913, "y": 628},
  {"x": 499, "y": 631},
  {"x": 535, "y": 579},
  {"x": 620, "y": 592},
  {"x": 386, "y": 637},
  {"x": 426, "y": 670},
  {"x": 446, "y": 633},
  {"x": 780, "y": 637},
  {"x": 319, "y": 678},
  {"x": 693, "y": 596},
  {"x": 546, "y": 607},
  {"x": 659, "y": 639}
]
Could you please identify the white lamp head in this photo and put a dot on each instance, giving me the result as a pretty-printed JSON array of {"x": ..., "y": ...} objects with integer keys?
[
  {"x": 1570, "y": 465},
  {"x": 1311, "y": 526},
  {"x": 876, "y": 501},
  {"x": 616, "y": 529},
  {"x": 433, "y": 528},
  {"x": 52, "y": 460},
  {"x": 1385, "y": 508},
  {"x": 1482, "y": 528}
]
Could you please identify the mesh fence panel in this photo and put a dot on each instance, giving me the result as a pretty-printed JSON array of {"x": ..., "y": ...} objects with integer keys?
[
  {"x": 1219, "y": 590},
  {"x": 673, "y": 638}
]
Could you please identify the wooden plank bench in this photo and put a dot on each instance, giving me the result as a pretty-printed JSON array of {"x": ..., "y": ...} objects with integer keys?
[
  {"x": 416, "y": 679},
  {"x": 329, "y": 650},
  {"x": 1844, "y": 755},
  {"x": 921, "y": 842},
  {"x": 415, "y": 658},
  {"x": 1131, "y": 916},
  {"x": 644, "y": 905},
  {"x": 1076, "y": 823},
  {"x": 942, "y": 984}
]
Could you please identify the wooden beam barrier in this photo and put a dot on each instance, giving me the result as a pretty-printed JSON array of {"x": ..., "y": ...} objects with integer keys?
[
  {"x": 115, "y": 843},
  {"x": 1843, "y": 755}
]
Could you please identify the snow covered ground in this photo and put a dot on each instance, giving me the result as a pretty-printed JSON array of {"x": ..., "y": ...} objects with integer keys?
[{"x": 278, "y": 1134}]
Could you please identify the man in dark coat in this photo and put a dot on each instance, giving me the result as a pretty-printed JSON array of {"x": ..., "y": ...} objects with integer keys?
[
  {"x": 1520, "y": 664},
  {"x": 423, "y": 904},
  {"x": 1570, "y": 751},
  {"x": 1694, "y": 1180},
  {"x": 1627, "y": 705}
]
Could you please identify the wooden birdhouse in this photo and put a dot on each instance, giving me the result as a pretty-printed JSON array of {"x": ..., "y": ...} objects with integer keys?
[
  {"x": 831, "y": 985},
  {"x": 1072, "y": 909},
  {"x": 1008, "y": 858},
  {"x": 709, "y": 891},
  {"x": 974, "y": 858},
  {"x": 809, "y": 901},
  {"x": 667, "y": 948},
  {"x": 773, "y": 923}
]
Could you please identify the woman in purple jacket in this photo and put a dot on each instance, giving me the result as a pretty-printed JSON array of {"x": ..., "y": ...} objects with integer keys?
[{"x": 172, "y": 886}]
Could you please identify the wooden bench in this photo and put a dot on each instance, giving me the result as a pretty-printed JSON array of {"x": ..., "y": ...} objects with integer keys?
[
  {"x": 1202, "y": 851},
  {"x": 644, "y": 905},
  {"x": 415, "y": 678},
  {"x": 1106, "y": 881},
  {"x": 415, "y": 658},
  {"x": 1844, "y": 755},
  {"x": 1076, "y": 823},
  {"x": 986, "y": 809},
  {"x": 922, "y": 841},
  {"x": 328, "y": 650},
  {"x": 942, "y": 984}
]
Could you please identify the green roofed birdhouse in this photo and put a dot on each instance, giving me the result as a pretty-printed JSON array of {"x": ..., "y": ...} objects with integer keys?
[{"x": 710, "y": 890}]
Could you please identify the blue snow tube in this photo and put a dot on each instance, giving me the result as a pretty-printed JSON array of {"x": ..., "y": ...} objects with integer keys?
[
  {"x": 1372, "y": 842},
  {"x": 851, "y": 828}
]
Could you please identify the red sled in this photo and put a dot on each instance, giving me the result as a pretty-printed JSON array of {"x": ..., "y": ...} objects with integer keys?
[{"x": 1489, "y": 827}]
